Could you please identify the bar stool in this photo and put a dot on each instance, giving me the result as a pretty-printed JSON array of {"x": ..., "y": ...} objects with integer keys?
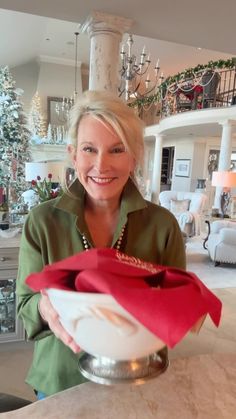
[{"x": 9, "y": 402}]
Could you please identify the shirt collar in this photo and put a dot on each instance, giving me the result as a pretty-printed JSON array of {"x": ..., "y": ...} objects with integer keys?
[{"x": 73, "y": 200}]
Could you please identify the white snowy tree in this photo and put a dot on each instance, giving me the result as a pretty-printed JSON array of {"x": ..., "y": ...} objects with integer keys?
[
  {"x": 36, "y": 120},
  {"x": 14, "y": 134}
]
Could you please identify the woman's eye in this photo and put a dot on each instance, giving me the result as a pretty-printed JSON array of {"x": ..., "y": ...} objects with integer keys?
[
  {"x": 117, "y": 150},
  {"x": 88, "y": 149}
]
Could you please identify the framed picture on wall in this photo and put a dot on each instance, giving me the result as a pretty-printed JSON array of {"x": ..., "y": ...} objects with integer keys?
[
  {"x": 57, "y": 110},
  {"x": 182, "y": 167}
]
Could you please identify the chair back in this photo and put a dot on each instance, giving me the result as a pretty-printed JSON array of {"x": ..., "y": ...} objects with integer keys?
[
  {"x": 197, "y": 199},
  {"x": 210, "y": 83}
]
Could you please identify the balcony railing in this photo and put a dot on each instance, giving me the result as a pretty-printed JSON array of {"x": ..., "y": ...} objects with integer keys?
[{"x": 213, "y": 85}]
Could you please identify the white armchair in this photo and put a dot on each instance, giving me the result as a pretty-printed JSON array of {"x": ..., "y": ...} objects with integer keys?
[
  {"x": 221, "y": 242},
  {"x": 187, "y": 208}
]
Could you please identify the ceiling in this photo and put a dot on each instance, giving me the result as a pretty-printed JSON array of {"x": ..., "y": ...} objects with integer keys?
[
  {"x": 170, "y": 32},
  {"x": 209, "y": 24}
]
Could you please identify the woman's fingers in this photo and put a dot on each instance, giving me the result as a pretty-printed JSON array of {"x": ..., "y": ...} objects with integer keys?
[
  {"x": 62, "y": 334},
  {"x": 49, "y": 314}
]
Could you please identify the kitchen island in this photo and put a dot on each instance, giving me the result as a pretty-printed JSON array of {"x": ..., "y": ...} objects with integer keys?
[{"x": 202, "y": 386}]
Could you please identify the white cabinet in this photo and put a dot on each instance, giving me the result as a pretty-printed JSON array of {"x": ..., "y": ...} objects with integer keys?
[{"x": 11, "y": 328}]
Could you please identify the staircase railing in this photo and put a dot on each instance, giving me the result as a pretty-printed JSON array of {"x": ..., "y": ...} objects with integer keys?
[{"x": 211, "y": 85}]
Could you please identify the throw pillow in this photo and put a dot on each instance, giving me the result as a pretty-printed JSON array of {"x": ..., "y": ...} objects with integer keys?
[{"x": 177, "y": 207}]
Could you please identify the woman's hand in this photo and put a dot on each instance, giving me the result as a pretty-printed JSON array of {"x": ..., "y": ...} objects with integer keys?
[{"x": 51, "y": 317}]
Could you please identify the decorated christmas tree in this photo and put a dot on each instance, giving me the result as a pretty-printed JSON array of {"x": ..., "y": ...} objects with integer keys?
[
  {"x": 36, "y": 121},
  {"x": 14, "y": 135}
]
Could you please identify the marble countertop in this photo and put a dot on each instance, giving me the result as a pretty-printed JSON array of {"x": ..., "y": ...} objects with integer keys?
[{"x": 202, "y": 386}]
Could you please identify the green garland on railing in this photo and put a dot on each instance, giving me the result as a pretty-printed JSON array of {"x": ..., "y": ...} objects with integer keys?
[{"x": 189, "y": 72}]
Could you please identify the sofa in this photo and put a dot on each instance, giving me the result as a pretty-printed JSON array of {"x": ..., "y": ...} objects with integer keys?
[
  {"x": 187, "y": 207},
  {"x": 221, "y": 242}
]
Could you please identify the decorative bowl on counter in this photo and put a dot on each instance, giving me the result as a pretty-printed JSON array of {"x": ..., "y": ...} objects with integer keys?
[
  {"x": 117, "y": 347},
  {"x": 101, "y": 327}
]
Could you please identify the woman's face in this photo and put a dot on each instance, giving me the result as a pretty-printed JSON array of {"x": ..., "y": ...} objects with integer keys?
[{"x": 102, "y": 163}]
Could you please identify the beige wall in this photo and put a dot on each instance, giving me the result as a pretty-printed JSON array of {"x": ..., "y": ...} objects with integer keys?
[
  {"x": 57, "y": 80},
  {"x": 48, "y": 79},
  {"x": 183, "y": 150},
  {"x": 26, "y": 77},
  {"x": 198, "y": 162}
]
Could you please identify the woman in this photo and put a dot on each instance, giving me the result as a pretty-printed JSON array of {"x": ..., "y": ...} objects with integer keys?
[{"x": 102, "y": 208}]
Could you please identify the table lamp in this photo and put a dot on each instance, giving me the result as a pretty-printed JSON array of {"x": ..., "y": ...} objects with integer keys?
[{"x": 225, "y": 180}]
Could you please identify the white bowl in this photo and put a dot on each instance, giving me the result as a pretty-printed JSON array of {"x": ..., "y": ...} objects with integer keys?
[{"x": 101, "y": 327}]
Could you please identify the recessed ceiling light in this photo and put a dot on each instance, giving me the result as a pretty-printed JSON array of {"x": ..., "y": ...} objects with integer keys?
[{"x": 199, "y": 48}]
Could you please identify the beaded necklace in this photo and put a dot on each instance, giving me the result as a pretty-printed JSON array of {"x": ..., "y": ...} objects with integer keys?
[{"x": 117, "y": 245}]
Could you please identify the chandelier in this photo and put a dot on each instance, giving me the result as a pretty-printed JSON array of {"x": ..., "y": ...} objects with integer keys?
[
  {"x": 63, "y": 108},
  {"x": 135, "y": 80}
]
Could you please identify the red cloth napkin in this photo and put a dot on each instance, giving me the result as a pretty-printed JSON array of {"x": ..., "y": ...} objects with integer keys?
[{"x": 167, "y": 301}]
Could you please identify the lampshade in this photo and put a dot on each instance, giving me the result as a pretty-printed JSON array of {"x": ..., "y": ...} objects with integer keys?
[
  {"x": 43, "y": 169},
  {"x": 224, "y": 179}
]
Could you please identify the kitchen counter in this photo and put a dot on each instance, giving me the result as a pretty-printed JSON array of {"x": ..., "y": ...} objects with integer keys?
[{"x": 202, "y": 386}]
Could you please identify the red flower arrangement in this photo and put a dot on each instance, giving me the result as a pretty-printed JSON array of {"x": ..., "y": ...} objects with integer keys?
[{"x": 44, "y": 190}]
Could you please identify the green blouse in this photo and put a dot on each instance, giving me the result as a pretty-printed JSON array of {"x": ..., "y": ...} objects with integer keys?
[{"x": 53, "y": 231}]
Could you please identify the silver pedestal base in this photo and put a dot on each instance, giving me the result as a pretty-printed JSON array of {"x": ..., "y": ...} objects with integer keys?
[{"x": 137, "y": 371}]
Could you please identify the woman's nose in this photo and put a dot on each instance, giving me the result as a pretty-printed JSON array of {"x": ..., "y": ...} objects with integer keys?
[{"x": 102, "y": 162}]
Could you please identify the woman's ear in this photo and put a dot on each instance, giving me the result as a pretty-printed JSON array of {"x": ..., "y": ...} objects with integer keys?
[
  {"x": 133, "y": 166},
  {"x": 72, "y": 152}
]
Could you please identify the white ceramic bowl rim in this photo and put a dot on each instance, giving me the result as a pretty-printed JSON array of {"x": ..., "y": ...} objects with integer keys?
[{"x": 92, "y": 297}]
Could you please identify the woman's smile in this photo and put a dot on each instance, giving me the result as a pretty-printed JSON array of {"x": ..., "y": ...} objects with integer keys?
[{"x": 101, "y": 181}]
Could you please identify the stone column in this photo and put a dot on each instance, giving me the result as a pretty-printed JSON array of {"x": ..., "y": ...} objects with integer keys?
[
  {"x": 156, "y": 175},
  {"x": 105, "y": 32},
  {"x": 225, "y": 155}
]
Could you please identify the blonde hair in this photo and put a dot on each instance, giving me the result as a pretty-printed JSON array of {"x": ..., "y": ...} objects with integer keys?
[{"x": 111, "y": 110}]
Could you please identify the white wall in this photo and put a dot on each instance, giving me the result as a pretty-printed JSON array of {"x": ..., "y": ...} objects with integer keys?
[
  {"x": 57, "y": 80},
  {"x": 48, "y": 78},
  {"x": 26, "y": 77},
  {"x": 184, "y": 149},
  {"x": 149, "y": 147},
  {"x": 198, "y": 161}
]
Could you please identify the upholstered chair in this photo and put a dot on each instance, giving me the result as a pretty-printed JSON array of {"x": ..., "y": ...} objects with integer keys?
[
  {"x": 221, "y": 242},
  {"x": 187, "y": 207}
]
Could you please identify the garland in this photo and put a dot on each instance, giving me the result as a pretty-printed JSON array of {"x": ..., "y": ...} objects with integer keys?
[{"x": 189, "y": 72}]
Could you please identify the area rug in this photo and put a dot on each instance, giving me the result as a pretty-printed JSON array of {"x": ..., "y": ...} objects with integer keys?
[{"x": 199, "y": 262}]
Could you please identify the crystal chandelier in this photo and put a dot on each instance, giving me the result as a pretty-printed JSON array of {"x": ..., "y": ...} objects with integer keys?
[
  {"x": 135, "y": 80},
  {"x": 63, "y": 108}
]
